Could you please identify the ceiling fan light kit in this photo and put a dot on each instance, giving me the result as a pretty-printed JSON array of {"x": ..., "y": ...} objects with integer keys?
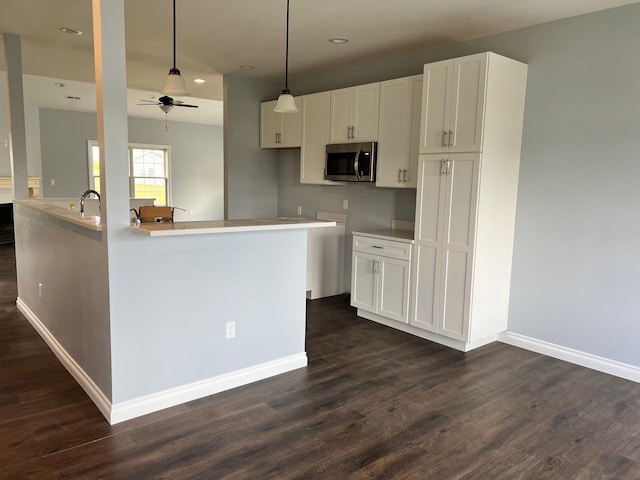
[
  {"x": 174, "y": 83},
  {"x": 286, "y": 103}
]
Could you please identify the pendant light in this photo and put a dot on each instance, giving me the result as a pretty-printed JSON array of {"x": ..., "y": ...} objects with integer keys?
[
  {"x": 286, "y": 103},
  {"x": 174, "y": 84}
]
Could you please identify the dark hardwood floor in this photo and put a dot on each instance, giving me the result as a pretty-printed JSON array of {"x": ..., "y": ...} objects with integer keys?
[{"x": 374, "y": 403}]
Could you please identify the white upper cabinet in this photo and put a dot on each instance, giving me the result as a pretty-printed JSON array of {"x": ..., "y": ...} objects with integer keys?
[
  {"x": 453, "y": 105},
  {"x": 399, "y": 132},
  {"x": 315, "y": 136},
  {"x": 279, "y": 130},
  {"x": 354, "y": 114}
]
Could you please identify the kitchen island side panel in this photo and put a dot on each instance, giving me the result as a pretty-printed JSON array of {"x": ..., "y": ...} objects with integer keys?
[{"x": 172, "y": 297}]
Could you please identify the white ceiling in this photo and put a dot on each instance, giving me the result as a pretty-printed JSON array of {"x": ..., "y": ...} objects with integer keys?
[
  {"x": 81, "y": 96},
  {"x": 215, "y": 37}
]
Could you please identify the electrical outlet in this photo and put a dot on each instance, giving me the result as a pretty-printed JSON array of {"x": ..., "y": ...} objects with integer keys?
[
  {"x": 345, "y": 204},
  {"x": 230, "y": 330},
  {"x": 40, "y": 290},
  {"x": 299, "y": 211},
  {"x": 190, "y": 212},
  {"x": 52, "y": 181}
]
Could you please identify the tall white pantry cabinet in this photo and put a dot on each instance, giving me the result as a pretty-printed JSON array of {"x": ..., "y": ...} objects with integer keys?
[{"x": 470, "y": 140}]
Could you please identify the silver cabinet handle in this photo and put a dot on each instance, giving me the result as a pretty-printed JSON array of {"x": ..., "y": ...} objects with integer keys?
[
  {"x": 448, "y": 167},
  {"x": 444, "y": 137},
  {"x": 399, "y": 175},
  {"x": 404, "y": 175},
  {"x": 450, "y": 137},
  {"x": 443, "y": 167}
]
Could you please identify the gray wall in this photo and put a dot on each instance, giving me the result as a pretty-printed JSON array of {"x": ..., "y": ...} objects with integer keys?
[
  {"x": 576, "y": 269},
  {"x": 71, "y": 264},
  {"x": 251, "y": 187},
  {"x": 368, "y": 206},
  {"x": 5, "y": 154},
  {"x": 168, "y": 317},
  {"x": 197, "y": 176},
  {"x": 32, "y": 128}
]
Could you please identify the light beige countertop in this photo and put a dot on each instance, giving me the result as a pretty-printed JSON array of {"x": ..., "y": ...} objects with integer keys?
[
  {"x": 405, "y": 236},
  {"x": 228, "y": 226},
  {"x": 60, "y": 208}
]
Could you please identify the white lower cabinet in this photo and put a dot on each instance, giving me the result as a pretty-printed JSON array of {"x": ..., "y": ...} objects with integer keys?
[
  {"x": 380, "y": 279},
  {"x": 445, "y": 239}
]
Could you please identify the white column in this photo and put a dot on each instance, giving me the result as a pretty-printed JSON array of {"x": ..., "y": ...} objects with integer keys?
[
  {"x": 17, "y": 130},
  {"x": 111, "y": 96}
]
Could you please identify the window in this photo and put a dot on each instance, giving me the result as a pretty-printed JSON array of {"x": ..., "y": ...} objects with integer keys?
[{"x": 148, "y": 171}]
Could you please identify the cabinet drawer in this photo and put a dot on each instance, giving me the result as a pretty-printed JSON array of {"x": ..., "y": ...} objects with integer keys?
[{"x": 384, "y": 248}]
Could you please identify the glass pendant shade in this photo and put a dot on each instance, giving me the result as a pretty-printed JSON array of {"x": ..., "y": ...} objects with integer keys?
[
  {"x": 174, "y": 84},
  {"x": 286, "y": 103}
]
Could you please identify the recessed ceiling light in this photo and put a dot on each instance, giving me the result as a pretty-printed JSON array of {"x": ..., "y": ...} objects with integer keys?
[
  {"x": 247, "y": 67},
  {"x": 71, "y": 30},
  {"x": 338, "y": 40},
  {"x": 59, "y": 84},
  {"x": 199, "y": 81}
]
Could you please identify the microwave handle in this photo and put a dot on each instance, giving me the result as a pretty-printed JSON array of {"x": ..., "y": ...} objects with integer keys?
[{"x": 356, "y": 164}]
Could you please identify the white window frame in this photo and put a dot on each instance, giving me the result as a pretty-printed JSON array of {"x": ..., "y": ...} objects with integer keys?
[{"x": 147, "y": 146}]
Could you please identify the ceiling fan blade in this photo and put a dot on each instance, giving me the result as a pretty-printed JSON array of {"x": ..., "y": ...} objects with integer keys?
[
  {"x": 184, "y": 105},
  {"x": 149, "y": 104},
  {"x": 152, "y": 102}
]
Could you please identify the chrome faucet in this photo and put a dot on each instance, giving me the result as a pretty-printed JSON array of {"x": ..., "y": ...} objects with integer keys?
[{"x": 84, "y": 195}]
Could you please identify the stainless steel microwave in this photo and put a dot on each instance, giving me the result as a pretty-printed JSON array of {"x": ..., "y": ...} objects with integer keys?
[{"x": 351, "y": 162}]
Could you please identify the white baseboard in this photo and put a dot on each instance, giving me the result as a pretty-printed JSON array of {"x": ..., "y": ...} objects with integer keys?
[
  {"x": 119, "y": 412},
  {"x": 88, "y": 385},
  {"x": 175, "y": 396},
  {"x": 601, "y": 364},
  {"x": 419, "y": 332}
]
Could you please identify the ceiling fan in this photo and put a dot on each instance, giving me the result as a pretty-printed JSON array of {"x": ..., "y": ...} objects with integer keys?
[{"x": 166, "y": 103}]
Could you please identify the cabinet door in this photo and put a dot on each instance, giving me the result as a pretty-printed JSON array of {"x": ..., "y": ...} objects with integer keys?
[
  {"x": 428, "y": 250},
  {"x": 270, "y": 125},
  {"x": 315, "y": 136},
  {"x": 393, "y": 288},
  {"x": 363, "y": 281},
  {"x": 457, "y": 247},
  {"x": 411, "y": 173},
  {"x": 436, "y": 99},
  {"x": 291, "y": 127},
  {"x": 467, "y": 105},
  {"x": 394, "y": 132},
  {"x": 341, "y": 106},
  {"x": 364, "y": 116}
]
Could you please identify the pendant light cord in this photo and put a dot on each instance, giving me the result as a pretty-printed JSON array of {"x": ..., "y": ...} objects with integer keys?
[
  {"x": 174, "y": 33},
  {"x": 286, "y": 60}
]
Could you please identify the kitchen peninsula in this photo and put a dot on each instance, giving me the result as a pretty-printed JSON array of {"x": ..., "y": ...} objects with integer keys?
[{"x": 190, "y": 309}]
